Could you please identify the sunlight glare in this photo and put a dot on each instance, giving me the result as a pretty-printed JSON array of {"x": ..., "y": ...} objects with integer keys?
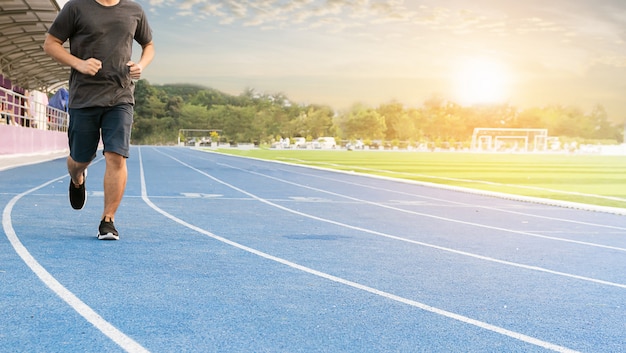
[{"x": 480, "y": 81}]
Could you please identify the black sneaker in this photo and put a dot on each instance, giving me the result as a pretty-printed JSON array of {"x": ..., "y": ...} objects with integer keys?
[
  {"x": 78, "y": 195},
  {"x": 107, "y": 231}
]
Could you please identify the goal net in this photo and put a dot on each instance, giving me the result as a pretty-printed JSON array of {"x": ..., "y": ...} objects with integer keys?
[
  {"x": 198, "y": 137},
  {"x": 509, "y": 139}
]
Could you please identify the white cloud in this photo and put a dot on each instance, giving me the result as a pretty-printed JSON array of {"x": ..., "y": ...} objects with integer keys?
[
  {"x": 188, "y": 4},
  {"x": 530, "y": 31},
  {"x": 212, "y": 9},
  {"x": 237, "y": 8},
  {"x": 282, "y": 13}
]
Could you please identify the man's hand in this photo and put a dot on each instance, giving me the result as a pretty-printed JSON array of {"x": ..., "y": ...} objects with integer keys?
[
  {"x": 135, "y": 70},
  {"x": 89, "y": 67},
  {"x": 53, "y": 46}
]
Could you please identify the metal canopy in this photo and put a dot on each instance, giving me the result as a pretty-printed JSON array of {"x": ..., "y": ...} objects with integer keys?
[{"x": 23, "y": 27}]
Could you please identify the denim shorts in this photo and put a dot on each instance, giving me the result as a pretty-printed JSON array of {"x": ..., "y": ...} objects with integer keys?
[{"x": 87, "y": 124}]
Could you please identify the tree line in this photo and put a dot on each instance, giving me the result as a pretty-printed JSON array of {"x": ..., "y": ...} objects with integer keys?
[{"x": 260, "y": 118}]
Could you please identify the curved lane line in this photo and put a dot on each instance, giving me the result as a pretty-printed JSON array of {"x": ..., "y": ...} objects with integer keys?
[
  {"x": 72, "y": 300},
  {"x": 474, "y": 181},
  {"x": 444, "y": 200},
  {"x": 442, "y": 248},
  {"x": 422, "y": 306},
  {"x": 430, "y": 215},
  {"x": 515, "y": 197}
]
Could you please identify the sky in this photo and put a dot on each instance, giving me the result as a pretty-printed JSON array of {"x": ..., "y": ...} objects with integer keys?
[{"x": 529, "y": 53}]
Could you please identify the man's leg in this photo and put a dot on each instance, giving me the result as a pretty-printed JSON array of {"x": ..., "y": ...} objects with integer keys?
[
  {"x": 77, "y": 192},
  {"x": 76, "y": 170},
  {"x": 115, "y": 176},
  {"x": 83, "y": 136},
  {"x": 116, "y": 125}
]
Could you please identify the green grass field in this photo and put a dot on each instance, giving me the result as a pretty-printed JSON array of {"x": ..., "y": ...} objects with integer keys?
[{"x": 590, "y": 179}]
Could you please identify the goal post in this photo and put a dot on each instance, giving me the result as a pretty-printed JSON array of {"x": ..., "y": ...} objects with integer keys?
[
  {"x": 198, "y": 137},
  {"x": 509, "y": 139}
]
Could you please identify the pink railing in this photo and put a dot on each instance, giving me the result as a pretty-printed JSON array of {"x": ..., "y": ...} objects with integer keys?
[{"x": 29, "y": 126}]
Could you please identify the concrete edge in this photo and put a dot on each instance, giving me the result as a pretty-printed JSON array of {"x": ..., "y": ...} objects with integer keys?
[{"x": 19, "y": 160}]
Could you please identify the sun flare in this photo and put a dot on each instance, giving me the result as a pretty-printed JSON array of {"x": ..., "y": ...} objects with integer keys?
[{"x": 481, "y": 81}]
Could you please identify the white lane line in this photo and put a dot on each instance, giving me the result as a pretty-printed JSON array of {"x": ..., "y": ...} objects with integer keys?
[
  {"x": 515, "y": 197},
  {"x": 452, "y": 220},
  {"x": 445, "y": 200},
  {"x": 72, "y": 300},
  {"x": 442, "y": 248},
  {"x": 422, "y": 306},
  {"x": 474, "y": 181}
]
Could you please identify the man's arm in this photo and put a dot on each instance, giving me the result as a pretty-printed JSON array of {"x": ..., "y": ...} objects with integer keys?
[
  {"x": 53, "y": 46},
  {"x": 147, "y": 54}
]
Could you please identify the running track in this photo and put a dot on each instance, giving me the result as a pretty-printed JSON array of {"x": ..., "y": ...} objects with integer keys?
[{"x": 226, "y": 254}]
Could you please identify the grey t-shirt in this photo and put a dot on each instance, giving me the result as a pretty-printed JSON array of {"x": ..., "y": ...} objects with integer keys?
[{"x": 105, "y": 33}]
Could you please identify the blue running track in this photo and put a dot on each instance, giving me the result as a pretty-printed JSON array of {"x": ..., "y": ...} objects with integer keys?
[{"x": 227, "y": 254}]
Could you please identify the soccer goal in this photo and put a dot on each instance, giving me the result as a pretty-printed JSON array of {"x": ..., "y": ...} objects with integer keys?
[
  {"x": 198, "y": 137},
  {"x": 509, "y": 139}
]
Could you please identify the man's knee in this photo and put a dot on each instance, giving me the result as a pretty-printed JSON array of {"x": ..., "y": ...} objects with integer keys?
[
  {"x": 73, "y": 165},
  {"x": 114, "y": 160}
]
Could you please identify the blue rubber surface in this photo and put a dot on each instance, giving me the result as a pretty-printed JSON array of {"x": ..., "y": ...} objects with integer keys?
[{"x": 226, "y": 254}]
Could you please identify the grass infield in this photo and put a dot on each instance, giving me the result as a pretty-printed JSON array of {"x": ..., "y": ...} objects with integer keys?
[{"x": 589, "y": 179}]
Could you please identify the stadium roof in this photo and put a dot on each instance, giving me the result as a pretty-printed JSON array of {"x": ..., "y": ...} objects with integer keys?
[{"x": 23, "y": 27}]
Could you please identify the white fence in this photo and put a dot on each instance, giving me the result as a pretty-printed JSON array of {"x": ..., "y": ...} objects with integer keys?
[
  {"x": 31, "y": 111},
  {"x": 28, "y": 125}
]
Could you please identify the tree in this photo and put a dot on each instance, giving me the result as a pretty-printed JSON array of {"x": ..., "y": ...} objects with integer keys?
[
  {"x": 602, "y": 128},
  {"x": 318, "y": 121},
  {"x": 162, "y": 110},
  {"x": 209, "y": 97},
  {"x": 363, "y": 122},
  {"x": 193, "y": 117},
  {"x": 393, "y": 113},
  {"x": 173, "y": 107}
]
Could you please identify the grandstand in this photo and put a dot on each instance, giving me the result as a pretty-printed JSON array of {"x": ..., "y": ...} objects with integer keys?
[{"x": 27, "y": 77}]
